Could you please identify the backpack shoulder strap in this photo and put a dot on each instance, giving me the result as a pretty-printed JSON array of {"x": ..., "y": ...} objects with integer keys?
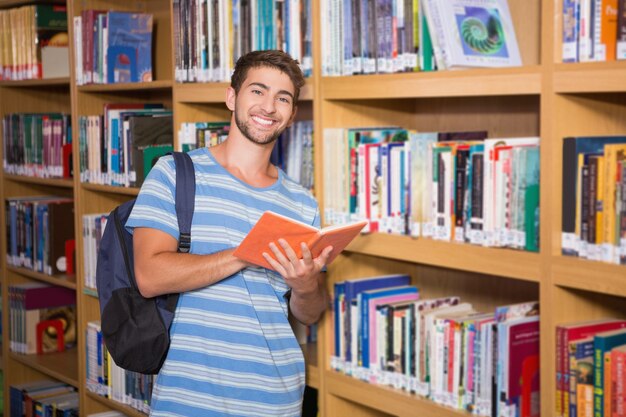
[{"x": 185, "y": 198}]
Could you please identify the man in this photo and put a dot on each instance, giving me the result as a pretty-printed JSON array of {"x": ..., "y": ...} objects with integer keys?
[{"x": 232, "y": 350}]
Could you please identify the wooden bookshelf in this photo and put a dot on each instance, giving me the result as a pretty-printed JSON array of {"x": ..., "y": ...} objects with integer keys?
[
  {"x": 462, "y": 83},
  {"x": 48, "y": 182},
  {"x": 104, "y": 88},
  {"x": 110, "y": 404},
  {"x": 61, "y": 365},
  {"x": 48, "y": 82},
  {"x": 542, "y": 98},
  {"x": 67, "y": 281}
]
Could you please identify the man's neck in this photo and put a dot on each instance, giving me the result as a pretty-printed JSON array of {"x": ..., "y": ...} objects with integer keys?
[{"x": 245, "y": 160}]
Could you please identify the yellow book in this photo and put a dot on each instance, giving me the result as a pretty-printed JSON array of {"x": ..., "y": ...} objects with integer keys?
[
  {"x": 611, "y": 152},
  {"x": 600, "y": 186}
]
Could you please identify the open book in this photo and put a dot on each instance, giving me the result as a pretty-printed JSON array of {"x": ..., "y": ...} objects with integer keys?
[{"x": 272, "y": 226}]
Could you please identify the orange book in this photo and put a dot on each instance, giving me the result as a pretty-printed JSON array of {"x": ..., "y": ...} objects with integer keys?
[{"x": 272, "y": 226}]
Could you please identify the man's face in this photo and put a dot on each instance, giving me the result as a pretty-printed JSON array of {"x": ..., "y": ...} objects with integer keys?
[{"x": 264, "y": 107}]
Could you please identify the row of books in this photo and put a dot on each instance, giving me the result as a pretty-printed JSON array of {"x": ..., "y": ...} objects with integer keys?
[
  {"x": 118, "y": 147},
  {"x": 107, "y": 379},
  {"x": 34, "y": 42},
  {"x": 594, "y": 198},
  {"x": 442, "y": 348},
  {"x": 591, "y": 368},
  {"x": 293, "y": 153},
  {"x": 40, "y": 234},
  {"x": 37, "y": 144},
  {"x": 195, "y": 135},
  {"x": 452, "y": 186},
  {"x": 93, "y": 228},
  {"x": 385, "y": 36},
  {"x": 113, "y": 47},
  {"x": 42, "y": 318},
  {"x": 43, "y": 398},
  {"x": 594, "y": 30},
  {"x": 211, "y": 35}
]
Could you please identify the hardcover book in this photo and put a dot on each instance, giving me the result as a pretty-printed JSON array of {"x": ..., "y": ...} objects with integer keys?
[
  {"x": 129, "y": 53},
  {"x": 272, "y": 226},
  {"x": 475, "y": 33}
]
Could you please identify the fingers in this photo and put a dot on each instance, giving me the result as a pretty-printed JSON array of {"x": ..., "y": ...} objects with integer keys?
[{"x": 276, "y": 266}]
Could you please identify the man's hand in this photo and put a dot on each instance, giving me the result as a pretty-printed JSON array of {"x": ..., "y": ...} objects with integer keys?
[{"x": 308, "y": 291}]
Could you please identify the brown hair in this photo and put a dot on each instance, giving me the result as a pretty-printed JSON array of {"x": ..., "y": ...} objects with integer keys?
[{"x": 271, "y": 58}]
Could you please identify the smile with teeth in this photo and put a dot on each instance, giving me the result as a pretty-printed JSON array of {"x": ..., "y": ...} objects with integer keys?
[{"x": 262, "y": 121}]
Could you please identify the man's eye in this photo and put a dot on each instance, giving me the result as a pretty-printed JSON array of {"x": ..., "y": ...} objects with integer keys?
[
  {"x": 257, "y": 92},
  {"x": 284, "y": 100}
]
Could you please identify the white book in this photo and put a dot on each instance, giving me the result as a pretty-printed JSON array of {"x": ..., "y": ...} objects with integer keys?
[
  {"x": 489, "y": 182},
  {"x": 475, "y": 33}
]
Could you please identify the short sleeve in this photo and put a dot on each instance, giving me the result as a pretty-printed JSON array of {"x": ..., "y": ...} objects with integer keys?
[{"x": 155, "y": 204}]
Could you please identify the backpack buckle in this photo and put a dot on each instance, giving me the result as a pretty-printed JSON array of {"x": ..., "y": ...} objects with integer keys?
[{"x": 184, "y": 243}]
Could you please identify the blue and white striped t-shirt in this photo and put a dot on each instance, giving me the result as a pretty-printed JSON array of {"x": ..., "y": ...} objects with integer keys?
[{"x": 232, "y": 351}]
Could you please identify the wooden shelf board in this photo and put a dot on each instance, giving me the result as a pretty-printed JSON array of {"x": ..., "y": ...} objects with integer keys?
[
  {"x": 492, "y": 261},
  {"x": 385, "y": 399},
  {"x": 461, "y": 83},
  {"x": 588, "y": 275},
  {"x": 62, "y": 366},
  {"x": 590, "y": 77},
  {"x": 216, "y": 92},
  {"x": 129, "y": 411},
  {"x": 48, "y": 82},
  {"x": 15, "y": 3},
  {"x": 200, "y": 92},
  {"x": 110, "y": 189},
  {"x": 105, "y": 88},
  {"x": 312, "y": 370},
  {"x": 52, "y": 182},
  {"x": 67, "y": 281}
]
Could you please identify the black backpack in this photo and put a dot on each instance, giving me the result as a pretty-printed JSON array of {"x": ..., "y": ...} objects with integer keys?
[{"x": 136, "y": 329}]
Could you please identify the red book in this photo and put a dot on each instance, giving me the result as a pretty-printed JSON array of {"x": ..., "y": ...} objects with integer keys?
[
  {"x": 618, "y": 381},
  {"x": 272, "y": 226},
  {"x": 566, "y": 333}
]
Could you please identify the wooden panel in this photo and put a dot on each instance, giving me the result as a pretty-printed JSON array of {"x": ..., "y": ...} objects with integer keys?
[
  {"x": 471, "y": 258},
  {"x": 93, "y": 103},
  {"x": 526, "y": 17},
  {"x": 589, "y": 275},
  {"x": 476, "y": 82},
  {"x": 110, "y": 404},
  {"x": 129, "y": 191},
  {"x": 508, "y": 116},
  {"x": 590, "y": 77},
  {"x": 19, "y": 274},
  {"x": 54, "y": 98},
  {"x": 108, "y": 88},
  {"x": 62, "y": 366},
  {"x": 48, "y": 182},
  {"x": 385, "y": 400},
  {"x": 94, "y": 202},
  {"x": 48, "y": 82},
  {"x": 36, "y": 188},
  {"x": 573, "y": 305}
]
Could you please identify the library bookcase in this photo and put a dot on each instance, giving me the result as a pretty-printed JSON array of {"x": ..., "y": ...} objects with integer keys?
[{"x": 542, "y": 98}]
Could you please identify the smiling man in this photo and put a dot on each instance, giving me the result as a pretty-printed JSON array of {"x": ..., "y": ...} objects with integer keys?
[{"x": 232, "y": 350}]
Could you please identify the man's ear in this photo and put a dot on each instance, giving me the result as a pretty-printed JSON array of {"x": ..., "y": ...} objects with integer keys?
[{"x": 231, "y": 96}]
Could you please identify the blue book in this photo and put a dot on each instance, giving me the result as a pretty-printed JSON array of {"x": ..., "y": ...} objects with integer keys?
[
  {"x": 340, "y": 290},
  {"x": 602, "y": 343},
  {"x": 367, "y": 302},
  {"x": 354, "y": 287},
  {"x": 129, "y": 52}
]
